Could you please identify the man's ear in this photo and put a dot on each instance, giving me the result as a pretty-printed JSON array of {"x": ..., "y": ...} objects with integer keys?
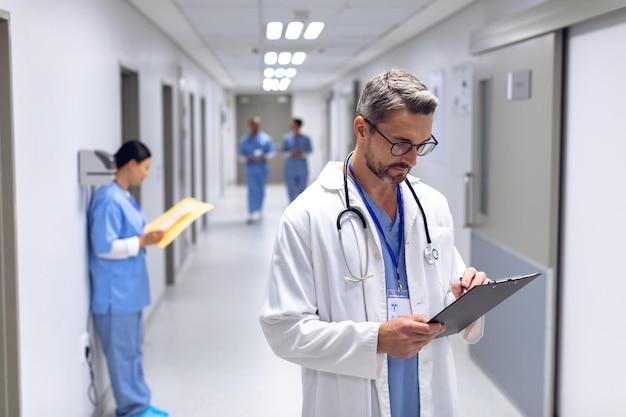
[{"x": 360, "y": 127}]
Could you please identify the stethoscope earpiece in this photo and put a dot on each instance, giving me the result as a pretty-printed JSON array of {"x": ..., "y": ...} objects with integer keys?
[{"x": 358, "y": 279}]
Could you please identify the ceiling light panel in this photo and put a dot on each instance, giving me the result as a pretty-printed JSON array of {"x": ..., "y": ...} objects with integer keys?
[
  {"x": 284, "y": 58},
  {"x": 294, "y": 29},
  {"x": 270, "y": 58},
  {"x": 274, "y": 30},
  {"x": 313, "y": 30},
  {"x": 298, "y": 58}
]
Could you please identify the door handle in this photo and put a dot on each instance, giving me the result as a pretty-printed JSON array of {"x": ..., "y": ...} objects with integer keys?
[{"x": 468, "y": 179}]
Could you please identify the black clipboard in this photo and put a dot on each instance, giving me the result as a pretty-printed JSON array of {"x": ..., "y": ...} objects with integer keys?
[{"x": 478, "y": 301}]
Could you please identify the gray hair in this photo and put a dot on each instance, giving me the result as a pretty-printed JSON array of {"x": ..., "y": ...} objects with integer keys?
[{"x": 391, "y": 90}]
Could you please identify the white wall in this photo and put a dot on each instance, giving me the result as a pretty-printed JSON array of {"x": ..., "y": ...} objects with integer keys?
[
  {"x": 66, "y": 58},
  {"x": 592, "y": 363}
]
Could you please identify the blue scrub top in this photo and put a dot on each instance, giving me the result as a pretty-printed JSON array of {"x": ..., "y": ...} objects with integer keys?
[
  {"x": 295, "y": 165},
  {"x": 254, "y": 146},
  {"x": 403, "y": 373},
  {"x": 118, "y": 286}
]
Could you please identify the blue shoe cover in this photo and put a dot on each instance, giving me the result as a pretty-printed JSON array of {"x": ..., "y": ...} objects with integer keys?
[{"x": 153, "y": 412}]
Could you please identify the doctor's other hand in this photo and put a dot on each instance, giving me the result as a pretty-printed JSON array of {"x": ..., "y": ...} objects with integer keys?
[
  {"x": 471, "y": 278},
  {"x": 405, "y": 336},
  {"x": 150, "y": 238}
]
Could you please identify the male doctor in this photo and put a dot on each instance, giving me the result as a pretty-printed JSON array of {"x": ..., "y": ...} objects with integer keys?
[
  {"x": 255, "y": 149},
  {"x": 353, "y": 279}
]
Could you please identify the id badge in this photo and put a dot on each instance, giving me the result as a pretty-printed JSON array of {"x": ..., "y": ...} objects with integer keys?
[{"x": 398, "y": 304}]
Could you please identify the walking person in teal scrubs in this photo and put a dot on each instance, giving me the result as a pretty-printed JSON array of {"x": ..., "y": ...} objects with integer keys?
[
  {"x": 119, "y": 279},
  {"x": 296, "y": 147}
]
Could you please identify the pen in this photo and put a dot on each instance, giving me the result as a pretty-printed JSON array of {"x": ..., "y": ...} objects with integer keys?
[{"x": 462, "y": 286}]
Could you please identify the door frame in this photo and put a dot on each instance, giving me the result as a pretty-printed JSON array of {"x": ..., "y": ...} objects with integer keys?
[{"x": 10, "y": 392}]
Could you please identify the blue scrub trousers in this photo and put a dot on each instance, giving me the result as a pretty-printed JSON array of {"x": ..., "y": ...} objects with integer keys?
[
  {"x": 295, "y": 185},
  {"x": 296, "y": 176},
  {"x": 120, "y": 336},
  {"x": 256, "y": 177}
]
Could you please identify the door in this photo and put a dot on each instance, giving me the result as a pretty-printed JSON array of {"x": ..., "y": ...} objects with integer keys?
[
  {"x": 514, "y": 219},
  {"x": 167, "y": 114},
  {"x": 129, "y": 81},
  {"x": 275, "y": 114},
  {"x": 9, "y": 309}
]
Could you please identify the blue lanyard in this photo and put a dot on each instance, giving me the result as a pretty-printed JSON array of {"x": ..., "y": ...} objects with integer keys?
[{"x": 394, "y": 259}]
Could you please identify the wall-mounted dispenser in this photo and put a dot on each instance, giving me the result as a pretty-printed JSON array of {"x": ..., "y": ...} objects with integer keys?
[{"x": 95, "y": 167}]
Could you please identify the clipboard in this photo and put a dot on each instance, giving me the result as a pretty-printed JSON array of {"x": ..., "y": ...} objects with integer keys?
[
  {"x": 478, "y": 301},
  {"x": 177, "y": 219}
]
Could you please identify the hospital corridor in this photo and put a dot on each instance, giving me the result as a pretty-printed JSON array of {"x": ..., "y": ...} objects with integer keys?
[
  {"x": 468, "y": 136},
  {"x": 205, "y": 354}
]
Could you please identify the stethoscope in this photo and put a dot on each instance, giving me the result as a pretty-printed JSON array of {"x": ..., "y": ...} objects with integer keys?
[{"x": 430, "y": 254}]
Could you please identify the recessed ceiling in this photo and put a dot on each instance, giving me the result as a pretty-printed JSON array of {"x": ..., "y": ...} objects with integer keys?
[{"x": 227, "y": 37}]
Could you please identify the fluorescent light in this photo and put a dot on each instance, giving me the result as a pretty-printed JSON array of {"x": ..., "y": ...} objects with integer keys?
[
  {"x": 274, "y": 30},
  {"x": 270, "y": 58},
  {"x": 313, "y": 30},
  {"x": 268, "y": 72},
  {"x": 294, "y": 29},
  {"x": 279, "y": 73},
  {"x": 298, "y": 58},
  {"x": 290, "y": 72},
  {"x": 284, "y": 58},
  {"x": 274, "y": 84},
  {"x": 284, "y": 83},
  {"x": 270, "y": 84}
]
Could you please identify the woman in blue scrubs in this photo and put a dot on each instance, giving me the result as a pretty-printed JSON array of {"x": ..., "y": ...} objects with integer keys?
[
  {"x": 119, "y": 279},
  {"x": 296, "y": 147}
]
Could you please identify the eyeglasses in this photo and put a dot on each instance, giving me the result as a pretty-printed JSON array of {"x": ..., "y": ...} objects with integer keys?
[{"x": 402, "y": 148}]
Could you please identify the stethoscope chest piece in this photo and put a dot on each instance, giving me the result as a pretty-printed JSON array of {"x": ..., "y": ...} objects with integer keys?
[{"x": 430, "y": 254}]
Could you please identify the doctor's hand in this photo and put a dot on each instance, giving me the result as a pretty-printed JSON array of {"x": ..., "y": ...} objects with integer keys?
[
  {"x": 150, "y": 238},
  {"x": 471, "y": 278},
  {"x": 405, "y": 336}
]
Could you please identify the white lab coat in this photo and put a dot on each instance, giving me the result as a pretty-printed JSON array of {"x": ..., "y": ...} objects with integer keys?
[{"x": 312, "y": 317}]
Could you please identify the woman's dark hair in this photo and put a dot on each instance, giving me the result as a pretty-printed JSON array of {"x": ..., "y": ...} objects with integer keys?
[{"x": 131, "y": 150}]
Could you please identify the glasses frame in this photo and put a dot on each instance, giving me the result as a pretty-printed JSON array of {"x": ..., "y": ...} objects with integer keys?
[{"x": 421, "y": 148}]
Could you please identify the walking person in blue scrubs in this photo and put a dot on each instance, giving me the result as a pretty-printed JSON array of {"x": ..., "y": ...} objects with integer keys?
[
  {"x": 296, "y": 147},
  {"x": 119, "y": 279},
  {"x": 255, "y": 149}
]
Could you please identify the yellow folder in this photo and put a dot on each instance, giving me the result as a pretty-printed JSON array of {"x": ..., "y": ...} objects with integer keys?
[{"x": 177, "y": 218}]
